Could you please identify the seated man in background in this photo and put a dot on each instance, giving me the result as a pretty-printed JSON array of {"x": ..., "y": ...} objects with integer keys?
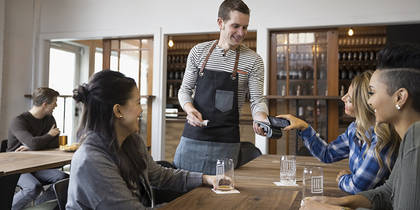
[{"x": 35, "y": 130}]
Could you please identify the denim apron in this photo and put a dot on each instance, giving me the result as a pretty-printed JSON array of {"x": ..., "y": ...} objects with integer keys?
[{"x": 216, "y": 98}]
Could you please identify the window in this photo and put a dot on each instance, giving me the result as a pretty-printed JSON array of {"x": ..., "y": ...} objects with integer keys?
[{"x": 61, "y": 78}]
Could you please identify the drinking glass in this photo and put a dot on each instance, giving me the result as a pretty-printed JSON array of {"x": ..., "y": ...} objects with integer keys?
[
  {"x": 288, "y": 170},
  {"x": 62, "y": 140},
  {"x": 313, "y": 182},
  {"x": 225, "y": 174}
]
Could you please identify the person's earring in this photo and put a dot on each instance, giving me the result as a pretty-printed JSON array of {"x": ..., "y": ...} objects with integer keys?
[
  {"x": 121, "y": 116},
  {"x": 397, "y": 106}
]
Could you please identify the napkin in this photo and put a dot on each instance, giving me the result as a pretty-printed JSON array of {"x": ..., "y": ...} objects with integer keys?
[
  {"x": 225, "y": 192},
  {"x": 286, "y": 185}
]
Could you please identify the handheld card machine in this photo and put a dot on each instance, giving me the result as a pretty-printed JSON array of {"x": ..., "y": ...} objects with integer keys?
[{"x": 273, "y": 128}]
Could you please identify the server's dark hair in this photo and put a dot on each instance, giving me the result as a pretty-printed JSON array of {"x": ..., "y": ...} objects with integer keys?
[
  {"x": 105, "y": 89},
  {"x": 232, "y": 5},
  {"x": 400, "y": 67}
]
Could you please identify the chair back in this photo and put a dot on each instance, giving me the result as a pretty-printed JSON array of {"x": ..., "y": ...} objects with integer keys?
[
  {"x": 3, "y": 145},
  {"x": 60, "y": 190},
  {"x": 166, "y": 164},
  {"x": 248, "y": 151},
  {"x": 7, "y": 190}
]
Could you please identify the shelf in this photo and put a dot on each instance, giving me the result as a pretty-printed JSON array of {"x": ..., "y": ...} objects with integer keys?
[
  {"x": 303, "y": 97},
  {"x": 148, "y": 96}
]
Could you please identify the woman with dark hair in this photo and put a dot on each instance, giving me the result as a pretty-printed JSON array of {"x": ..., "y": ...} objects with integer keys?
[
  {"x": 371, "y": 149},
  {"x": 112, "y": 168},
  {"x": 395, "y": 98}
]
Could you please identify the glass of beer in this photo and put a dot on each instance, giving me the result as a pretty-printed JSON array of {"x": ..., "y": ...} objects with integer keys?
[
  {"x": 62, "y": 140},
  {"x": 225, "y": 174}
]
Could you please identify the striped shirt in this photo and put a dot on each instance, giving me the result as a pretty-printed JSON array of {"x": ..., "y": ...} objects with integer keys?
[
  {"x": 365, "y": 172},
  {"x": 250, "y": 73}
]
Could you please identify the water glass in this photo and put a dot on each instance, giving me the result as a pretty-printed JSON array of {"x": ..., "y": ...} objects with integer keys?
[
  {"x": 225, "y": 174},
  {"x": 313, "y": 182},
  {"x": 288, "y": 170}
]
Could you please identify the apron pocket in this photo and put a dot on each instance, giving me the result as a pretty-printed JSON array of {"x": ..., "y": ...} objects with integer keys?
[{"x": 224, "y": 100}]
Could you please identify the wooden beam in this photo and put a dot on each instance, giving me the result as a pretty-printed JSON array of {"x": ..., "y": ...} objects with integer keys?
[
  {"x": 272, "y": 85},
  {"x": 332, "y": 84},
  {"x": 106, "y": 54}
]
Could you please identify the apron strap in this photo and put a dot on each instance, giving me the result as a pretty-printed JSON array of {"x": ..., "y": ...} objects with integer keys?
[
  {"x": 235, "y": 67},
  {"x": 207, "y": 58}
]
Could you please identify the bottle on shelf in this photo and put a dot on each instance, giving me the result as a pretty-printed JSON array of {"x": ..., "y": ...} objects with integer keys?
[
  {"x": 351, "y": 74},
  {"x": 298, "y": 90},
  {"x": 343, "y": 72},
  {"x": 309, "y": 73},
  {"x": 342, "y": 90},
  {"x": 283, "y": 90},
  {"x": 321, "y": 74},
  {"x": 171, "y": 91},
  {"x": 300, "y": 111},
  {"x": 171, "y": 75},
  {"x": 300, "y": 74}
]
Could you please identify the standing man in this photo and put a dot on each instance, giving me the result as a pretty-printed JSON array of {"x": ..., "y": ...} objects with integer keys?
[
  {"x": 219, "y": 73},
  {"x": 35, "y": 130}
]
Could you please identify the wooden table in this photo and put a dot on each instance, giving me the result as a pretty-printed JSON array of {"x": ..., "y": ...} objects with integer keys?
[
  {"x": 12, "y": 164},
  {"x": 29, "y": 161},
  {"x": 257, "y": 191}
]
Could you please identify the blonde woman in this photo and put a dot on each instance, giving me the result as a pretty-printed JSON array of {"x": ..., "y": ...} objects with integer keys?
[
  {"x": 395, "y": 97},
  {"x": 371, "y": 150}
]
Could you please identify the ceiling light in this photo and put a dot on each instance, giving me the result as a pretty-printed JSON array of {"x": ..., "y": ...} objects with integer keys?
[
  {"x": 350, "y": 32},
  {"x": 171, "y": 43}
]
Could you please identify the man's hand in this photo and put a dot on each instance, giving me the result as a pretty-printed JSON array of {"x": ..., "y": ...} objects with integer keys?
[
  {"x": 341, "y": 173},
  {"x": 194, "y": 117},
  {"x": 295, "y": 123},
  {"x": 54, "y": 131},
  {"x": 259, "y": 116},
  {"x": 22, "y": 148}
]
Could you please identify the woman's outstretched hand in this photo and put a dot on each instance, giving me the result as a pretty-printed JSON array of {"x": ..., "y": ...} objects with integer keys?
[{"x": 295, "y": 123}]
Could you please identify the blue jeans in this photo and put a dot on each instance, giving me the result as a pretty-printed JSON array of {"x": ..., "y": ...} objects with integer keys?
[{"x": 31, "y": 186}]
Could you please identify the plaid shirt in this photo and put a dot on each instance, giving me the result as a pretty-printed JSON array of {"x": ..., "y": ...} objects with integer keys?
[{"x": 365, "y": 172}]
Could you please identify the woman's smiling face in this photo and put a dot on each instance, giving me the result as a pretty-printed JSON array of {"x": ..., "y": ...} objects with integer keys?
[{"x": 381, "y": 102}]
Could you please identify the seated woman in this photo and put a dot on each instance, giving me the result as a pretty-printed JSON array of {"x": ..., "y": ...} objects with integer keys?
[
  {"x": 112, "y": 168},
  {"x": 395, "y": 97},
  {"x": 371, "y": 153}
]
